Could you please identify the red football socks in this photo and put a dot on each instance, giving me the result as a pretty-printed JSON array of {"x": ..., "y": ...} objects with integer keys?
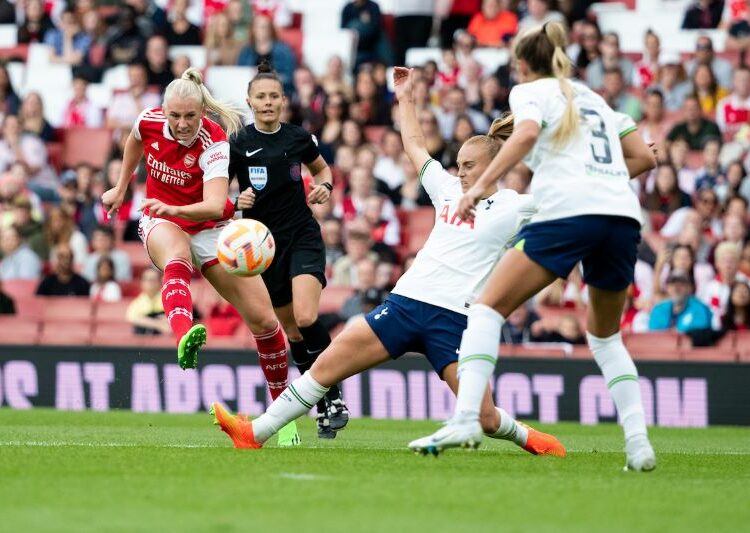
[
  {"x": 176, "y": 297},
  {"x": 273, "y": 359}
]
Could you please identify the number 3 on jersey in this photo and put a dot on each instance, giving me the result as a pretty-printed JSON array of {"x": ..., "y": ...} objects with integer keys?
[{"x": 600, "y": 149}]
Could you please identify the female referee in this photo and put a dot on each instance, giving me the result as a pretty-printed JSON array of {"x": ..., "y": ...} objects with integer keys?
[
  {"x": 267, "y": 158},
  {"x": 187, "y": 159},
  {"x": 426, "y": 312},
  {"x": 586, "y": 211}
]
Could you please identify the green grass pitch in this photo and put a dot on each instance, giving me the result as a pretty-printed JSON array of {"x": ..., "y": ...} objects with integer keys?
[{"x": 121, "y": 471}]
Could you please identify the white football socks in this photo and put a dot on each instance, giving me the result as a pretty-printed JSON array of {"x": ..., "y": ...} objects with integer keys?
[
  {"x": 509, "y": 429},
  {"x": 621, "y": 377},
  {"x": 477, "y": 357},
  {"x": 296, "y": 400}
]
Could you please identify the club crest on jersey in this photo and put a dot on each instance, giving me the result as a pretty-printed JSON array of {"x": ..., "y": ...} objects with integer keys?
[
  {"x": 295, "y": 171},
  {"x": 189, "y": 160},
  {"x": 258, "y": 177}
]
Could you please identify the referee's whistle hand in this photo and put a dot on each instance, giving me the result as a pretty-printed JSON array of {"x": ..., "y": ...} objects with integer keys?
[
  {"x": 246, "y": 199},
  {"x": 318, "y": 195}
]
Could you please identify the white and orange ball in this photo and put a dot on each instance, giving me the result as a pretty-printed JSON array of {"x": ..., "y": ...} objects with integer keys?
[{"x": 246, "y": 247}]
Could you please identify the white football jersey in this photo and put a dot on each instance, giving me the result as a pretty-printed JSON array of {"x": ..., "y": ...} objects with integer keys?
[
  {"x": 587, "y": 175},
  {"x": 458, "y": 257}
]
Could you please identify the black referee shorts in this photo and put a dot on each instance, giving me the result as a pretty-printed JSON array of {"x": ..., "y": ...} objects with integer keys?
[{"x": 299, "y": 252}]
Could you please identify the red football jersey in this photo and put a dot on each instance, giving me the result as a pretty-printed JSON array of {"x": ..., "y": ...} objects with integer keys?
[{"x": 176, "y": 170}]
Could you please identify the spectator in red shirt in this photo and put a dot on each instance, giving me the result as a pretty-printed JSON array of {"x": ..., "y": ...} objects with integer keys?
[
  {"x": 493, "y": 24},
  {"x": 734, "y": 110}
]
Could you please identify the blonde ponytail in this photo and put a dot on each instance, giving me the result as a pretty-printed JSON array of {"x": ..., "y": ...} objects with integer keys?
[
  {"x": 562, "y": 69},
  {"x": 190, "y": 85},
  {"x": 500, "y": 129}
]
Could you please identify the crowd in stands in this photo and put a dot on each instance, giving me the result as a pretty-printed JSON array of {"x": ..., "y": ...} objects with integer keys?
[{"x": 694, "y": 262}]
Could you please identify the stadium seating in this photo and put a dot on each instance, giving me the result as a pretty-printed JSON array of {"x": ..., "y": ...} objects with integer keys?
[{"x": 86, "y": 145}]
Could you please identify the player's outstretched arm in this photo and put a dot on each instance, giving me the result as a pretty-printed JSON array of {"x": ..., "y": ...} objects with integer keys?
[
  {"x": 411, "y": 133},
  {"x": 639, "y": 157},
  {"x": 212, "y": 206},
  {"x": 113, "y": 198}
]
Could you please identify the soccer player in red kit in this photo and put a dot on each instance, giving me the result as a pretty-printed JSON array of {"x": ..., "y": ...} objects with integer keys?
[{"x": 186, "y": 206}]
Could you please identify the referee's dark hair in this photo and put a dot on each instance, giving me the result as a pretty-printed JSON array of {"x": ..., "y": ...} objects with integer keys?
[{"x": 265, "y": 72}]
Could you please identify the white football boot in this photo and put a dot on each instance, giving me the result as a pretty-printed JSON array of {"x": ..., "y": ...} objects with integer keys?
[
  {"x": 461, "y": 431},
  {"x": 640, "y": 455}
]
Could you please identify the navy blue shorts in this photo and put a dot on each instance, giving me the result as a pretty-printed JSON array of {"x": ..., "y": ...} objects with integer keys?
[
  {"x": 406, "y": 325},
  {"x": 605, "y": 245}
]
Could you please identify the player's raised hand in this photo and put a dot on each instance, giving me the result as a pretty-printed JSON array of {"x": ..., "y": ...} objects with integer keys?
[
  {"x": 319, "y": 194},
  {"x": 157, "y": 208},
  {"x": 112, "y": 200},
  {"x": 246, "y": 199},
  {"x": 403, "y": 82},
  {"x": 467, "y": 205}
]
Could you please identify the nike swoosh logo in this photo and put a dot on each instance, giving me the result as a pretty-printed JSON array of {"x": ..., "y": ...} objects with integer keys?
[{"x": 251, "y": 154}]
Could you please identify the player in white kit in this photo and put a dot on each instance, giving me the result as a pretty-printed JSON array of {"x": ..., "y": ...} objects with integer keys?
[
  {"x": 426, "y": 311},
  {"x": 586, "y": 211}
]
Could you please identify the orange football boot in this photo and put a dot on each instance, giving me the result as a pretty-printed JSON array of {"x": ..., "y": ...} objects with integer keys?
[
  {"x": 540, "y": 443},
  {"x": 238, "y": 427}
]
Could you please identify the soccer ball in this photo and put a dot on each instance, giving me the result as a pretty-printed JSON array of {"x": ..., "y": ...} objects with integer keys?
[{"x": 245, "y": 248}]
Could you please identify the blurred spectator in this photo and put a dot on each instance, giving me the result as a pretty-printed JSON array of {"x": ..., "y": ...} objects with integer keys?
[
  {"x": 570, "y": 292},
  {"x": 644, "y": 70},
  {"x": 78, "y": 198},
  {"x": 492, "y": 100},
  {"x": 18, "y": 261},
  {"x": 63, "y": 281},
  {"x": 493, "y": 24},
  {"x": 715, "y": 293},
  {"x": 412, "y": 26},
  {"x": 681, "y": 310},
  {"x": 307, "y": 100},
  {"x": 23, "y": 218},
  {"x": 711, "y": 173},
  {"x": 357, "y": 245},
  {"x": 263, "y": 44},
  {"x": 703, "y": 15},
  {"x": 737, "y": 316},
  {"x": 146, "y": 312},
  {"x": 36, "y": 23},
  {"x": 7, "y": 305},
  {"x": 739, "y": 35},
  {"x": 29, "y": 150},
  {"x": 179, "y": 65},
  {"x": 124, "y": 42},
  {"x": 103, "y": 245},
  {"x": 105, "y": 288},
  {"x": 590, "y": 38},
  {"x": 463, "y": 129},
  {"x": 388, "y": 168},
  {"x": 365, "y": 281},
  {"x": 149, "y": 17},
  {"x": 181, "y": 32},
  {"x": 352, "y": 134},
  {"x": 678, "y": 258},
  {"x": 32, "y": 118},
  {"x": 386, "y": 229},
  {"x": 696, "y": 130},
  {"x": 411, "y": 194},
  {"x": 734, "y": 230},
  {"x": 127, "y": 105},
  {"x": 433, "y": 139},
  {"x": 60, "y": 230},
  {"x": 240, "y": 14},
  {"x": 614, "y": 93},
  {"x": 331, "y": 230},
  {"x": 539, "y": 13},
  {"x": 709, "y": 92},
  {"x": 369, "y": 107},
  {"x": 734, "y": 110},
  {"x": 672, "y": 80},
  {"x": 334, "y": 79},
  {"x": 9, "y": 101},
  {"x": 384, "y": 275},
  {"x": 745, "y": 260},
  {"x": 705, "y": 55},
  {"x": 610, "y": 57},
  {"x": 677, "y": 153},
  {"x": 568, "y": 329},
  {"x": 455, "y": 15},
  {"x": 222, "y": 48},
  {"x": 80, "y": 111},
  {"x": 334, "y": 113},
  {"x": 453, "y": 106},
  {"x": 734, "y": 180},
  {"x": 223, "y": 318},
  {"x": 70, "y": 44},
  {"x": 522, "y": 326},
  {"x": 470, "y": 80},
  {"x": 518, "y": 179},
  {"x": 363, "y": 17},
  {"x": 734, "y": 10},
  {"x": 158, "y": 64},
  {"x": 653, "y": 128}
]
